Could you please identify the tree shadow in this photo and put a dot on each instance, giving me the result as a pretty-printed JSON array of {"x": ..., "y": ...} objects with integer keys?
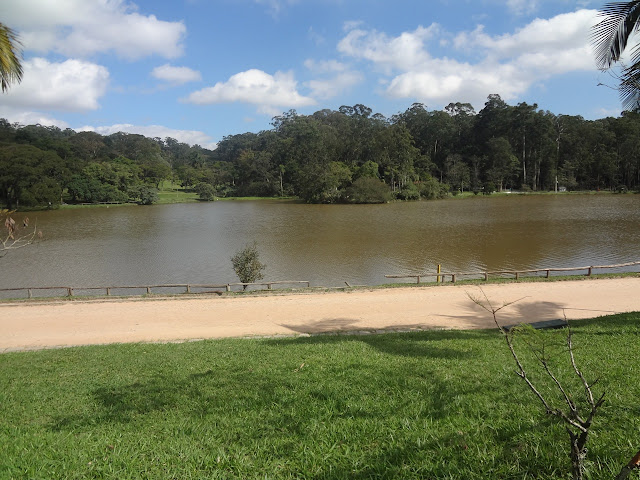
[
  {"x": 123, "y": 403},
  {"x": 326, "y": 325},
  {"x": 401, "y": 340},
  {"x": 520, "y": 311}
]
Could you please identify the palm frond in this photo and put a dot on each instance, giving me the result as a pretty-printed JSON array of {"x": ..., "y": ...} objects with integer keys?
[
  {"x": 10, "y": 58},
  {"x": 611, "y": 35},
  {"x": 630, "y": 88}
]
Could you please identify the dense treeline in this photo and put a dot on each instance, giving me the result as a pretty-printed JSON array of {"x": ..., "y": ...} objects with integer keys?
[{"x": 349, "y": 155}]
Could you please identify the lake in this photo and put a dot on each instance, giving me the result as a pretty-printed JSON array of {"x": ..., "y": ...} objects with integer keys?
[{"x": 324, "y": 244}]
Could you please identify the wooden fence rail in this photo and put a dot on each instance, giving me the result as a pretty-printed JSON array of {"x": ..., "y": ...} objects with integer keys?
[
  {"x": 148, "y": 289},
  {"x": 440, "y": 277}
]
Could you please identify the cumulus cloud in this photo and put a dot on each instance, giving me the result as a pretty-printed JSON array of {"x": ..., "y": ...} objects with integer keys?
[
  {"x": 23, "y": 117},
  {"x": 402, "y": 52},
  {"x": 270, "y": 93},
  {"x": 79, "y": 28},
  {"x": 72, "y": 85},
  {"x": 335, "y": 78},
  {"x": 191, "y": 137},
  {"x": 176, "y": 75},
  {"x": 506, "y": 64}
]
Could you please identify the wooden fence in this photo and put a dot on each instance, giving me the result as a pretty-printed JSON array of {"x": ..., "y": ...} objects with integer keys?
[
  {"x": 148, "y": 289},
  {"x": 442, "y": 276}
]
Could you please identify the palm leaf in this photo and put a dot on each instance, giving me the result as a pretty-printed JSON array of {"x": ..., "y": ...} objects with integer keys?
[
  {"x": 10, "y": 56},
  {"x": 610, "y": 37}
]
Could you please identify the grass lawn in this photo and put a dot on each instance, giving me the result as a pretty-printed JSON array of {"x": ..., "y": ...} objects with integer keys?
[{"x": 443, "y": 405}]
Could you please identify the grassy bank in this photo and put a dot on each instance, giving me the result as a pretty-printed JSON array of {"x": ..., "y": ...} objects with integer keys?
[{"x": 424, "y": 405}]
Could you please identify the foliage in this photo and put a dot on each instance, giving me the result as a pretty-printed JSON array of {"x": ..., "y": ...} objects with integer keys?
[
  {"x": 143, "y": 194},
  {"x": 368, "y": 190},
  {"x": 10, "y": 58},
  {"x": 205, "y": 191},
  {"x": 418, "y": 153},
  {"x": 410, "y": 191},
  {"x": 431, "y": 189},
  {"x": 437, "y": 404},
  {"x": 610, "y": 38},
  {"x": 246, "y": 263}
]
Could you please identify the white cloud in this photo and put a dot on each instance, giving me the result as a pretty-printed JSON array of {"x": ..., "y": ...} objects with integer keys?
[
  {"x": 403, "y": 52},
  {"x": 522, "y": 7},
  {"x": 269, "y": 93},
  {"x": 506, "y": 64},
  {"x": 176, "y": 75},
  {"x": 16, "y": 115},
  {"x": 83, "y": 27},
  {"x": 72, "y": 85},
  {"x": 338, "y": 78},
  {"x": 352, "y": 25},
  {"x": 192, "y": 137},
  {"x": 565, "y": 32}
]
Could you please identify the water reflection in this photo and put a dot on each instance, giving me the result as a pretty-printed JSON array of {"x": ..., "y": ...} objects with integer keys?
[{"x": 326, "y": 244}]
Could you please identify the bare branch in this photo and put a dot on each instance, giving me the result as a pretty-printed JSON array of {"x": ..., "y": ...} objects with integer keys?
[
  {"x": 14, "y": 238},
  {"x": 576, "y": 427}
]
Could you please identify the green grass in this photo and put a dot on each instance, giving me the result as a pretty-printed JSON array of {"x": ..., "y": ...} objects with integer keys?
[
  {"x": 443, "y": 405},
  {"x": 176, "y": 196}
]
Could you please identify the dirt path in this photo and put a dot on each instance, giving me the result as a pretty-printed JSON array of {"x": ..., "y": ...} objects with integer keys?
[{"x": 33, "y": 326}]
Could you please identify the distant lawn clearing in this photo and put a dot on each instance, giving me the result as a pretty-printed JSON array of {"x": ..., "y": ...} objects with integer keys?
[{"x": 443, "y": 405}]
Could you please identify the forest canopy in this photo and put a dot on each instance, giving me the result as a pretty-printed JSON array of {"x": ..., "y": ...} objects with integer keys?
[{"x": 344, "y": 155}]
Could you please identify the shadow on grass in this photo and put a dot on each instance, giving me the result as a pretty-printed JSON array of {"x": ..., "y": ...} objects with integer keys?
[{"x": 417, "y": 343}]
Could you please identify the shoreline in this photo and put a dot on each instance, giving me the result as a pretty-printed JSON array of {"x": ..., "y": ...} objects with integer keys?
[
  {"x": 191, "y": 198},
  {"x": 32, "y": 326}
]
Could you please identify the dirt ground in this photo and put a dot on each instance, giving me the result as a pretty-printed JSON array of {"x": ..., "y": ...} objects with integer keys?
[{"x": 31, "y": 325}]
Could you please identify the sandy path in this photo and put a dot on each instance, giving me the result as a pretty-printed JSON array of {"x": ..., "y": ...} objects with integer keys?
[{"x": 32, "y": 326}]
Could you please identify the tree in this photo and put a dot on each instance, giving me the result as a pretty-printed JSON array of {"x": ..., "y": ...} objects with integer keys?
[
  {"x": 368, "y": 190},
  {"x": 574, "y": 404},
  {"x": 10, "y": 58},
  {"x": 246, "y": 263},
  {"x": 610, "y": 39},
  {"x": 205, "y": 191}
]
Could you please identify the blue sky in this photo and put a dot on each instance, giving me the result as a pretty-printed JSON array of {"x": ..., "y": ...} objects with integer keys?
[{"x": 198, "y": 70}]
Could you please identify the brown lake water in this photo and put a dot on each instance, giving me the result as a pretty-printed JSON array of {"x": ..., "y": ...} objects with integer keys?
[{"x": 324, "y": 244}]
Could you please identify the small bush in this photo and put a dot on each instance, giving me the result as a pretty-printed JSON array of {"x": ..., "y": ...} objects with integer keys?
[
  {"x": 409, "y": 192},
  {"x": 368, "y": 190},
  {"x": 432, "y": 189},
  {"x": 247, "y": 265},
  {"x": 205, "y": 191},
  {"x": 143, "y": 194}
]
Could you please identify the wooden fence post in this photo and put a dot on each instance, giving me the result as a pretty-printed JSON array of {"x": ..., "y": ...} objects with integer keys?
[
  {"x": 70, "y": 291},
  {"x": 453, "y": 278}
]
